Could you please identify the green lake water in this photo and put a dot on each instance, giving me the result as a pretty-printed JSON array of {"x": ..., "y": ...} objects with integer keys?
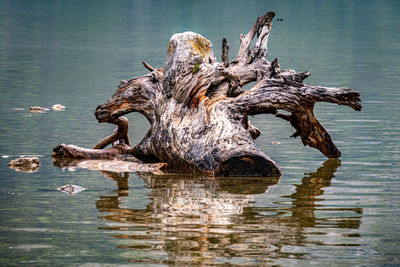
[{"x": 320, "y": 212}]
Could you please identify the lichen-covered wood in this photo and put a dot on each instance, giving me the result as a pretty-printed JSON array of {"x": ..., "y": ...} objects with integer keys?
[{"x": 198, "y": 111}]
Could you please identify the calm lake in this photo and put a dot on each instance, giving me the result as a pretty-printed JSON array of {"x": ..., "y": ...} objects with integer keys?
[{"x": 320, "y": 212}]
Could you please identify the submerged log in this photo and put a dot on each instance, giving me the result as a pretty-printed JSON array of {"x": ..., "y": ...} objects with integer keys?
[
  {"x": 198, "y": 111},
  {"x": 122, "y": 163}
]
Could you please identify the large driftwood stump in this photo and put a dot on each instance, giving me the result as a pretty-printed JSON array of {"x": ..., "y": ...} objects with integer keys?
[{"x": 198, "y": 111}]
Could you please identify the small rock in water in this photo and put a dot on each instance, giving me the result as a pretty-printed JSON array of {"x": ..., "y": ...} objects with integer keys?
[
  {"x": 29, "y": 165},
  {"x": 38, "y": 109},
  {"x": 58, "y": 107},
  {"x": 275, "y": 142},
  {"x": 71, "y": 189}
]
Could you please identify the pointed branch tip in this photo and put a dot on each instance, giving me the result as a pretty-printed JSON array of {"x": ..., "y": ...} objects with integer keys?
[
  {"x": 147, "y": 66},
  {"x": 225, "y": 51}
]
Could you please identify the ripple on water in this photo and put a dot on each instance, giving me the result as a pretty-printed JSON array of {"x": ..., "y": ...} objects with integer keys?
[{"x": 30, "y": 247}]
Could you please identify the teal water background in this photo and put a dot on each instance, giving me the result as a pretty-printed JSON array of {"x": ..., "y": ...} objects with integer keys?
[{"x": 320, "y": 212}]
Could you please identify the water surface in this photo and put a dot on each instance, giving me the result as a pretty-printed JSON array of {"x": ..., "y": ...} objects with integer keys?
[{"x": 340, "y": 212}]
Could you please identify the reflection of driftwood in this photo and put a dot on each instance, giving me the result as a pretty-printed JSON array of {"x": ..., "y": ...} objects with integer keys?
[
  {"x": 121, "y": 179},
  {"x": 201, "y": 220},
  {"x": 305, "y": 199},
  {"x": 198, "y": 111}
]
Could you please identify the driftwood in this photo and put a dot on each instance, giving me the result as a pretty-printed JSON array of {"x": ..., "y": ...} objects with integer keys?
[
  {"x": 198, "y": 111},
  {"x": 121, "y": 163}
]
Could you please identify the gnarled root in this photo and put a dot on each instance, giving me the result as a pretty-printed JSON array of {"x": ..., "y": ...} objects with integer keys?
[{"x": 120, "y": 133}]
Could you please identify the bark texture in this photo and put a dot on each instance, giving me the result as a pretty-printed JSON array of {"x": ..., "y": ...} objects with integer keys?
[{"x": 198, "y": 111}]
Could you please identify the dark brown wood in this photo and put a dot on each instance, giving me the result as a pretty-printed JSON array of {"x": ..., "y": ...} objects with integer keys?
[
  {"x": 147, "y": 66},
  {"x": 198, "y": 111},
  {"x": 225, "y": 52},
  {"x": 119, "y": 135}
]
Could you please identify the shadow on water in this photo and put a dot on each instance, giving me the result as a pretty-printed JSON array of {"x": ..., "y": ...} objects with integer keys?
[{"x": 205, "y": 220}]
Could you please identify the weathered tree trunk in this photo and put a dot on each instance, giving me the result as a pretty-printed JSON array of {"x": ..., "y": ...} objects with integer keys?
[{"x": 199, "y": 114}]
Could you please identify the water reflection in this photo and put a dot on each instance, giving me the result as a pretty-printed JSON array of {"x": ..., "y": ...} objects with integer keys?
[
  {"x": 205, "y": 220},
  {"x": 306, "y": 197}
]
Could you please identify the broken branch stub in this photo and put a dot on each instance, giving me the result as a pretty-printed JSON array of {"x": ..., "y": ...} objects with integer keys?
[{"x": 198, "y": 113}]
